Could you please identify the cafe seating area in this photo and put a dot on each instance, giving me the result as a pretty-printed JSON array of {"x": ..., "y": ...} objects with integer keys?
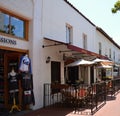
[{"x": 80, "y": 97}]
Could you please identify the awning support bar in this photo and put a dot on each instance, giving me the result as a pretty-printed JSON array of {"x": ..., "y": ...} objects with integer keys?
[
  {"x": 66, "y": 51},
  {"x": 51, "y": 45}
]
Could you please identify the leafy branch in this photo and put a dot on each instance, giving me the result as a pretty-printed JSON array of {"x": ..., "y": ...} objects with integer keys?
[{"x": 116, "y": 7}]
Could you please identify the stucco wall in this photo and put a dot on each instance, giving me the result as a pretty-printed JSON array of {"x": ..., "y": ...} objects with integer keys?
[
  {"x": 20, "y": 44},
  {"x": 106, "y": 45},
  {"x": 23, "y": 8},
  {"x": 56, "y": 14},
  {"x": 48, "y": 19}
]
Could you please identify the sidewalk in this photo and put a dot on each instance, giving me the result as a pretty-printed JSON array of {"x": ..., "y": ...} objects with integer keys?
[{"x": 111, "y": 108}]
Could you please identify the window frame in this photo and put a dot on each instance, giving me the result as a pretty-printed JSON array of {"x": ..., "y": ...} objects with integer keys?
[
  {"x": 114, "y": 55},
  {"x": 26, "y": 25},
  {"x": 100, "y": 48},
  {"x": 110, "y": 53},
  {"x": 84, "y": 37},
  {"x": 69, "y": 34}
]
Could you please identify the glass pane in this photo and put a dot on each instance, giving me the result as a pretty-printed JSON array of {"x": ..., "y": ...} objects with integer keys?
[
  {"x": 17, "y": 27},
  {"x": 67, "y": 34},
  {"x": 4, "y": 21}
]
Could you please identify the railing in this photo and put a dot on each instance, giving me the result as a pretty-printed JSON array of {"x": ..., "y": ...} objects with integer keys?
[{"x": 91, "y": 97}]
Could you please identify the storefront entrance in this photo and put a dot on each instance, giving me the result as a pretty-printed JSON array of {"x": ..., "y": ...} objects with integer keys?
[
  {"x": 8, "y": 61},
  {"x": 73, "y": 75}
]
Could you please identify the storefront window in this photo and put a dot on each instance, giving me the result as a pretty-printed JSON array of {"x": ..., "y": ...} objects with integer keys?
[
  {"x": 19, "y": 27},
  {"x": 12, "y": 25},
  {"x": 109, "y": 73}
]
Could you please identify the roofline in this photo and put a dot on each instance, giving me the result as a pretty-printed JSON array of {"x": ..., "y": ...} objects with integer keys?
[
  {"x": 97, "y": 28},
  {"x": 107, "y": 36},
  {"x": 79, "y": 12}
]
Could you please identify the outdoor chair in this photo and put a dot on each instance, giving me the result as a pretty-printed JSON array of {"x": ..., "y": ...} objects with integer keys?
[
  {"x": 110, "y": 89},
  {"x": 80, "y": 98},
  {"x": 68, "y": 97}
]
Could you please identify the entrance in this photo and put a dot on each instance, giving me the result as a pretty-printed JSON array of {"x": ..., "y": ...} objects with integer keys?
[
  {"x": 91, "y": 74},
  {"x": 8, "y": 60},
  {"x": 73, "y": 74},
  {"x": 55, "y": 72}
]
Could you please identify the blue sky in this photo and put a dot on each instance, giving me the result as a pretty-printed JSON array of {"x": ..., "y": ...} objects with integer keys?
[{"x": 99, "y": 12}]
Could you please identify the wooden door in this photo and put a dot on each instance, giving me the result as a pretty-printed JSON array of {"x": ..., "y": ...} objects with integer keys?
[
  {"x": 11, "y": 60},
  {"x": 92, "y": 74},
  {"x": 55, "y": 72},
  {"x": 73, "y": 74}
]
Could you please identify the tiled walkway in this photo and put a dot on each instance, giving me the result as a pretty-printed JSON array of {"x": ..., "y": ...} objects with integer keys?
[{"x": 111, "y": 108}]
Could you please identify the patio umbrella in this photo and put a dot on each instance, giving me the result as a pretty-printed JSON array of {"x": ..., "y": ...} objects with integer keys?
[
  {"x": 97, "y": 60},
  {"x": 80, "y": 62},
  {"x": 104, "y": 66}
]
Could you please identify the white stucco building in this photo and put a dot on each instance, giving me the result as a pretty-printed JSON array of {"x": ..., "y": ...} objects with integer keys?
[{"x": 51, "y": 29}]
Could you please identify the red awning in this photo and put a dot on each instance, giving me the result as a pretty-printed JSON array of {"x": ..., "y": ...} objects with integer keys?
[
  {"x": 83, "y": 51},
  {"x": 76, "y": 51}
]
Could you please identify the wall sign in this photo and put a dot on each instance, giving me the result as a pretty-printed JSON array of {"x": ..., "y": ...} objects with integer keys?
[{"x": 7, "y": 41}]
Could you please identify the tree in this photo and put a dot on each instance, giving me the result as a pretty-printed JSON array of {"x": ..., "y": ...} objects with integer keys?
[
  {"x": 116, "y": 7},
  {"x": 10, "y": 29}
]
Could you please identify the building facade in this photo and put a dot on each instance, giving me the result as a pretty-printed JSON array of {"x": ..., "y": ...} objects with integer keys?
[{"x": 53, "y": 33}]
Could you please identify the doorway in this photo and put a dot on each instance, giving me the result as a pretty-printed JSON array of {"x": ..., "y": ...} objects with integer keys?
[
  {"x": 91, "y": 74},
  {"x": 8, "y": 60},
  {"x": 55, "y": 72},
  {"x": 11, "y": 61},
  {"x": 73, "y": 74}
]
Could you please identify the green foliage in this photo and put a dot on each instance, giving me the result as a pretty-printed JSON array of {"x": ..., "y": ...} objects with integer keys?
[
  {"x": 116, "y": 7},
  {"x": 10, "y": 29}
]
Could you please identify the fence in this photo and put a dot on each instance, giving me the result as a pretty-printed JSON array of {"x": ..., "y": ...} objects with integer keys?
[{"x": 91, "y": 97}]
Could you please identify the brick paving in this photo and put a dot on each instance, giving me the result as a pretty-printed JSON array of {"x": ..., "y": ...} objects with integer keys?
[{"x": 111, "y": 108}]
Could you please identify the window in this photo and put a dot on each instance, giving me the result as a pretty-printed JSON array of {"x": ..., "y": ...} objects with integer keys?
[
  {"x": 114, "y": 55},
  {"x": 109, "y": 53},
  {"x": 84, "y": 41},
  {"x": 12, "y": 25},
  {"x": 69, "y": 33},
  {"x": 100, "y": 48}
]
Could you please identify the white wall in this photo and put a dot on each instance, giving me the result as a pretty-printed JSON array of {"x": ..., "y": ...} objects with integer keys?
[
  {"x": 22, "y": 8},
  {"x": 106, "y": 45},
  {"x": 35, "y": 53},
  {"x": 38, "y": 54},
  {"x": 54, "y": 22},
  {"x": 56, "y": 13},
  {"x": 47, "y": 19},
  {"x": 20, "y": 44}
]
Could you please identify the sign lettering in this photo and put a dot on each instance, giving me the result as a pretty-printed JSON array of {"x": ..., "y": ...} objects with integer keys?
[{"x": 7, "y": 41}]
